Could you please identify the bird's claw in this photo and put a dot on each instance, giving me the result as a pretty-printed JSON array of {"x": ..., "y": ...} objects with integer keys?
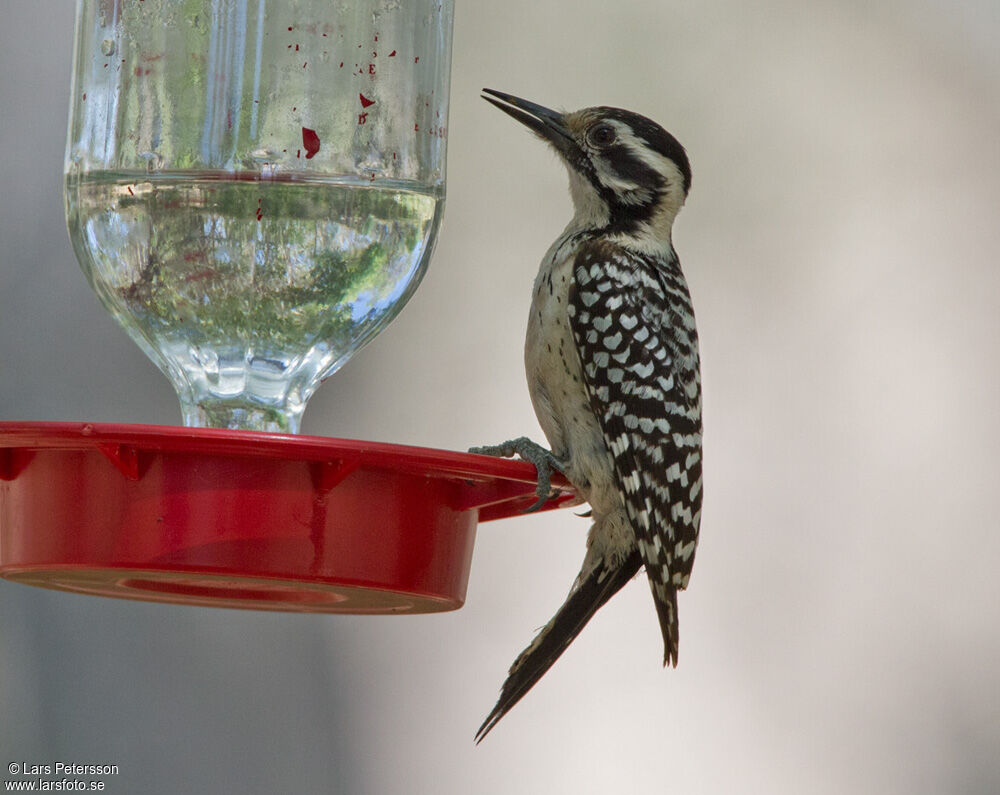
[{"x": 544, "y": 460}]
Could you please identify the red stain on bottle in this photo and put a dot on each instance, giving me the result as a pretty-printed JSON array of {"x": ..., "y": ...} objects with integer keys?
[
  {"x": 365, "y": 102},
  {"x": 310, "y": 141},
  {"x": 392, "y": 54}
]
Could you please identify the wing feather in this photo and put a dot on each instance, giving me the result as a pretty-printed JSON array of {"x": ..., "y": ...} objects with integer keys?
[{"x": 634, "y": 330}]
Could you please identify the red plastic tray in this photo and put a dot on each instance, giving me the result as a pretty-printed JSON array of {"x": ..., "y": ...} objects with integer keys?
[{"x": 250, "y": 520}]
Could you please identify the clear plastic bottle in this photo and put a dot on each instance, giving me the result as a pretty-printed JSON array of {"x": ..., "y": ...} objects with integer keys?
[{"x": 253, "y": 189}]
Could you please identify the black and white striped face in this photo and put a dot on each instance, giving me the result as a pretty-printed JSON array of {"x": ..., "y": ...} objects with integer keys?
[{"x": 627, "y": 174}]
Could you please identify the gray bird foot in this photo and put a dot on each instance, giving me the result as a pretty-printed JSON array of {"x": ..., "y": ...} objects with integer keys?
[{"x": 544, "y": 460}]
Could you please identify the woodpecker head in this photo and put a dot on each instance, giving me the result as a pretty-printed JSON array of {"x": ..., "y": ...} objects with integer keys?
[{"x": 628, "y": 176}]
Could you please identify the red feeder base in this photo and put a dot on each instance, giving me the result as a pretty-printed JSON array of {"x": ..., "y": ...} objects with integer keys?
[{"x": 250, "y": 520}]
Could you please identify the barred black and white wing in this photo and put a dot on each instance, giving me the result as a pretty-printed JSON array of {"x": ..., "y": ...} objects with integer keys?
[{"x": 633, "y": 325}]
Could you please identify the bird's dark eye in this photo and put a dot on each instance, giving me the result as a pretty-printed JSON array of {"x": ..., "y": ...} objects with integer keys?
[{"x": 601, "y": 135}]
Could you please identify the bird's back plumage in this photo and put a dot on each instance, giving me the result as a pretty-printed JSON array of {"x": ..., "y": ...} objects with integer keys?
[{"x": 634, "y": 329}]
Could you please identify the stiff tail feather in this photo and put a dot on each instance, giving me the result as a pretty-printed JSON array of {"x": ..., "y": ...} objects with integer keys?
[
  {"x": 586, "y": 598},
  {"x": 665, "y": 598}
]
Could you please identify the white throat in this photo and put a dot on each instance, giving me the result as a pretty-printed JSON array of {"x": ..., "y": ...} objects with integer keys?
[{"x": 590, "y": 211}]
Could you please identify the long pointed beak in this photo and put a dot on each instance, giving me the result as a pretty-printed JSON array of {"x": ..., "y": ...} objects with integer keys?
[{"x": 546, "y": 123}]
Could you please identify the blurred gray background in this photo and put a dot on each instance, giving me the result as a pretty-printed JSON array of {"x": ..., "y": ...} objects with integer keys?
[{"x": 842, "y": 628}]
